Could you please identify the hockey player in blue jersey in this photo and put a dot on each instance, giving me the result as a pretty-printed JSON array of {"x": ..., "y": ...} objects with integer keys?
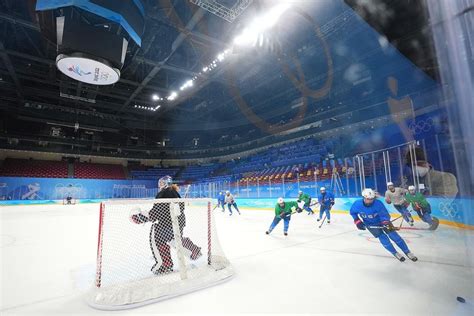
[
  {"x": 370, "y": 213},
  {"x": 326, "y": 201},
  {"x": 221, "y": 201}
]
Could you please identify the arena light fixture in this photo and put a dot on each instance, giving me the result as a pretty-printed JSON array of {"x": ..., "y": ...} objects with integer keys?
[
  {"x": 172, "y": 96},
  {"x": 250, "y": 34},
  {"x": 155, "y": 97}
]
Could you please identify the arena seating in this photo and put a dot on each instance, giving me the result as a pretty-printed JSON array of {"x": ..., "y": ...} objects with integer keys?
[
  {"x": 85, "y": 170},
  {"x": 198, "y": 172},
  {"x": 153, "y": 173},
  {"x": 34, "y": 168}
]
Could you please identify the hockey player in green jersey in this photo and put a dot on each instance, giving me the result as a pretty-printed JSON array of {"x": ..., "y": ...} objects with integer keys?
[
  {"x": 421, "y": 206},
  {"x": 307, "y": 202},
  {"x": 283, "y": 211}
]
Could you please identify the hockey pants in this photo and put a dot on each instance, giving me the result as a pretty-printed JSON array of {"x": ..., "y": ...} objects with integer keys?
[
  {"x": 277, "y": 219},
  {"x": 384, "y": 237},
  {"x": 425, "y": 214},
  {"x": 159, "y": 239},
  {"x": 229, "y": 205},
  {"x": 402, "y": 209},
  {"x": 327, "y": 210}
]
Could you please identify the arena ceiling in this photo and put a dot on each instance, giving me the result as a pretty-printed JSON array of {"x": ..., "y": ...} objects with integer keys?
[{"x": 180, "y": 40}]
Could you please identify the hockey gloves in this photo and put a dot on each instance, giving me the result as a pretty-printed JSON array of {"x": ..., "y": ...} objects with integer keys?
[
  {"x": 138, "y": 218},
  {"x": 360, "y": 225},
  {"x": 388, "y": 226}
]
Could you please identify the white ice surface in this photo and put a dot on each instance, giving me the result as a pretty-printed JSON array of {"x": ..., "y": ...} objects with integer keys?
[{"x": 48, "y": 257}]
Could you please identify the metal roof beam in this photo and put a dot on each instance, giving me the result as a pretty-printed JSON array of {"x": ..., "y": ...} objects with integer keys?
[{"x": 11, "y": 71}]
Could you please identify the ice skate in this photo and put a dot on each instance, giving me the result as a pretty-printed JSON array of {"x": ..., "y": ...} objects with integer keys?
[
  {"x": 411, "y": 256},
  {"x": 399, "y": 257}
]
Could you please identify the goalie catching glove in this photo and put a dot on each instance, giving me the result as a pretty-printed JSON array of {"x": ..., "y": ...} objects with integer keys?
[{"x": 138, "y": 219}]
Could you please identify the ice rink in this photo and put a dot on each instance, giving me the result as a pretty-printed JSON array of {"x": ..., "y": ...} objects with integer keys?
[{"x": 48, "y": 255}]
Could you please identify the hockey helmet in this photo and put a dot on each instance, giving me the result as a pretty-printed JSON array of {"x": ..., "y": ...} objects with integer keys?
[
  {"x": 164, "y": 182},
  {"x": 368, "y": 193}
]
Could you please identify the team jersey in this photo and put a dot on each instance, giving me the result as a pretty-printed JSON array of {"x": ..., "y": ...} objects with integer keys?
[
  {"x": 372, "y": 214},
  {"x": 160, "y": 213},
  {"x": 305, "y": 198},
  {"x": 326, "y": 199},
  {"x": 287, "y": 208},
  {"x": 229, "y": 199},
  {"x": 397, "y": 197},
  {"x": 221, "y": 198},
  {"x": 417, "y": 198}
]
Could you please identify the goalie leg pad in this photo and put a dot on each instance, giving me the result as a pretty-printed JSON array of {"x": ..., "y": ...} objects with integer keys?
[
  {"x": 195, "y": 250},
  {"x": 159, "y": 237},
  {"x": 165, "y": 255}
]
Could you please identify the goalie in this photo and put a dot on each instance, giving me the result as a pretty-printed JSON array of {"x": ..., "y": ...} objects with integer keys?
[
  {"x": 161, "y": 233},
  {"x": 283, "y": 211}
]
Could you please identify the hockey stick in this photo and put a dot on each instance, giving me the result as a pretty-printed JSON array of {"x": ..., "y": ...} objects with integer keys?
[
  {"x": 381, "y": 227},
  {"x": 322, "y": 223},
  {"x": 187, "y": 191},
  {"x": 314, "y": 203},
  {"x": 289, "y": 214}
]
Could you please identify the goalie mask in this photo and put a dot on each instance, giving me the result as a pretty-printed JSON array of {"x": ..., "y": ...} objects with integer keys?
[{"x": 164, "y": 182}]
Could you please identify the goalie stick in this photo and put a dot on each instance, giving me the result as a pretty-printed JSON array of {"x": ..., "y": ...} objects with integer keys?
[{"x": 187, "y": 191}]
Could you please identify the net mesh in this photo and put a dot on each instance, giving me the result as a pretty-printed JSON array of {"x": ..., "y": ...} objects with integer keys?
[
  {"x": 154, "y": 249},
  {"x": 69, "y": 201}
]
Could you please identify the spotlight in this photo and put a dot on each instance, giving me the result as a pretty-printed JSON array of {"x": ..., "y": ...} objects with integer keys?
[{"x": 155, "y": 97}]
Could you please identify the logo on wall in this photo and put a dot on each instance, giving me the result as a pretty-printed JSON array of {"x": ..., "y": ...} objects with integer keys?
[
  {"x": 448, "y": 209},
  {"x": 72, "y": 190},
  {"x": 422, "y": 126}
]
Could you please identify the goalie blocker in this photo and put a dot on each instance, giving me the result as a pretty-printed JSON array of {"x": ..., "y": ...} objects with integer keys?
[{"x": 128, "y": 252}]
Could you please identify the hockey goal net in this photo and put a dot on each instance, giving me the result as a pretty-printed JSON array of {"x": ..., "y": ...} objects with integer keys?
[
  {"x": 150, "y": 250},
  {"x": 69, "y": 201}
]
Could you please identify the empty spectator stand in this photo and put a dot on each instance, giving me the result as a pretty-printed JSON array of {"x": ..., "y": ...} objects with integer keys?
[
  {"x": 153, "y": 173},
  {"x": 84, "y": 170},
  {"x": 34, "y": 168}
]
